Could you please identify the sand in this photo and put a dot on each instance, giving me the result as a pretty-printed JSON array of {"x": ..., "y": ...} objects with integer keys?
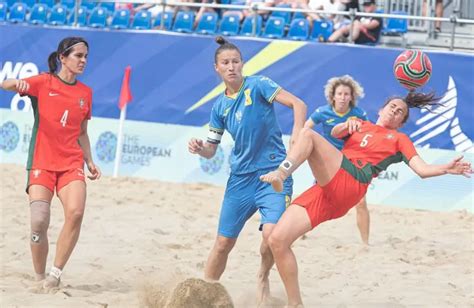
[{"x": 141, "y": 238}]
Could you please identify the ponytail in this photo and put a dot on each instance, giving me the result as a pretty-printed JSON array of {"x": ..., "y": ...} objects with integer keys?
[{"x": 53, "y": 62}]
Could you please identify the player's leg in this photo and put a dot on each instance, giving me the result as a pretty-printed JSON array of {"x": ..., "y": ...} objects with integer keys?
[
  {"x": 363, "y": 220},
  {"x": 40, "y": 202},
  {"x": 237, "y": 208},
  {"x": 271, "y": 205},
  {"x": 323, "y": 158},
  {"x": 73, "y": 199},
  {"x": 293, "y": 224}
]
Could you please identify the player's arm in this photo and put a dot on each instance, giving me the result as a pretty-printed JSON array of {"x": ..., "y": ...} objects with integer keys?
[
  {"x": 16, "y": 85},
  {"x": 456, "y": 166},
  {"x": 85, "y": 145},
  {"x": 345, "y": 129},
  {"x": 299, "y": 110},
  {"x": 204, "y": 149}
]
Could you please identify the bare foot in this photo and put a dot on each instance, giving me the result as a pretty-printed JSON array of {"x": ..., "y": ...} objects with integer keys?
[
  {"x": 50, "y": 283},
  {"x": 275, "y": 178},
  {"x": 295, "y": 306}
]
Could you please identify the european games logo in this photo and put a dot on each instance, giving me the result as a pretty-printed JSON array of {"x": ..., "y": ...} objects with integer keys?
[
  {"x": 9, "y": 136},
  {"x": 106, "y": 146},
  {"x": 213, "y": 165}
]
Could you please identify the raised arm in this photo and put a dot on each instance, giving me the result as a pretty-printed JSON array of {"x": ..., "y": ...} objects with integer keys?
[
  {"x": 457, "y": 166},
  {"x": 299, "y": 110},
  {"x": 16, "y": 85}
]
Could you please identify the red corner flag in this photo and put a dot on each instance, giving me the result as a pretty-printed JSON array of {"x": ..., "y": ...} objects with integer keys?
[{"x": 125, "y": 94}]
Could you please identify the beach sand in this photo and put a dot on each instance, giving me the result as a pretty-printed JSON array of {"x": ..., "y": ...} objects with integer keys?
[{"x": 140, "y": 238}]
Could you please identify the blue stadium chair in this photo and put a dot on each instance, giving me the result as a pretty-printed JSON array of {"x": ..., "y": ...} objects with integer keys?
[
  {"x": 10, "y": 3},
  {"x": 207, "y": 24},
  {"x": 395, "y": 26},
  {"x": 89, "y": 4},
  {"x": 168, "y": 20},
  {"x": 58, "y": 16},
  {"x": 285, "y": 15},
  {"x": 3, "y": 11},
  {"x": 247, "y": 25},
  {"x": 29, "y": 3},
  {"x": 184, "y": 22},
  {"x": 121, "y": 19},
  {"x": 299, "y": 30},
  {"x": 81, "y": 16},
  {"x": 230, "y": 25},
  {"x": 322, "y": 30},
  {"x": 274, "y": 28},
  {"x": 69, "y": 4},
  {"x": 98, "y": 18},
  {"x": 142, "y": 20},
  {"x": 298, "y": 15},
  {"x": 17, "y": 13},
  {"x": 39, "y": 14},
  {"x": 49, "y": 3},
  {"x": 109, "y": 6}
]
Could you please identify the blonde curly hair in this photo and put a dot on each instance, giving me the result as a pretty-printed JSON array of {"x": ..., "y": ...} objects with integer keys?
[{"x": 357, "y": 90}]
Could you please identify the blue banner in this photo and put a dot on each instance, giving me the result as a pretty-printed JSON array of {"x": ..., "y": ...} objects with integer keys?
[{"x": 173, "y": 79}]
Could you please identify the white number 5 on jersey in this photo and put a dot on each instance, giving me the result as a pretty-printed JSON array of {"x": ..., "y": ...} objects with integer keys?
[{"x": 365, "y": 140}]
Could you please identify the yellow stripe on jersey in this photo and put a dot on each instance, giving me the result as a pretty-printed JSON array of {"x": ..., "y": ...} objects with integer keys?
[{"x": 272, "y": 53}]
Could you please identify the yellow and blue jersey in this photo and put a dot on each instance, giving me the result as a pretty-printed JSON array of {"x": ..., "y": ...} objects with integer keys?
[
  {"x": 249, "y": 116},
  {"x": 330, "y": 118}
]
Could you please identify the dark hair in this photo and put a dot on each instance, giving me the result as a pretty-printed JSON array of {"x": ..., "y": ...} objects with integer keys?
[
  {"x": 416, "y": 100},
  {"x": 64, "y": 48},
  {"x": 224, "y": 45}
]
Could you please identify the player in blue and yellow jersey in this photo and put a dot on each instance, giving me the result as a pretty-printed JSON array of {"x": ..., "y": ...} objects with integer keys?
[
  {"x": 245, "y": 109},
  {"x": 342, "y": 94}
]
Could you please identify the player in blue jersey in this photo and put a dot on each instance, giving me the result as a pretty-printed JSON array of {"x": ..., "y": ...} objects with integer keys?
[
  {"x": 342, "y": 94},
  {"x": 245, "y": 109}
]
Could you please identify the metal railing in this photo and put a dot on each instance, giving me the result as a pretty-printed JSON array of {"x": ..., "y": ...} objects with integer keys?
[{"x": 256, "y": 7}]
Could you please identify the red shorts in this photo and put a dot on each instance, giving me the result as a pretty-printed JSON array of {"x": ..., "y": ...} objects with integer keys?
[
  {"x": 52, "y": 179},
  {"x": 337, "y": 197}
]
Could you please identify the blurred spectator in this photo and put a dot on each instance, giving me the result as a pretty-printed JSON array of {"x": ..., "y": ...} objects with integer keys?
[
  {"x": 158, "y": 8},
  {"x": 439, "y": 9},
  {"x": 245, "y": 13},
  {"x": 365, "y": 29},
  {"x": 327, "y": 5}
]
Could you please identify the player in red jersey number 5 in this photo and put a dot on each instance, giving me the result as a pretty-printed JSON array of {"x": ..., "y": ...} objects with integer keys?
[
  {"x": 344, "y": 176},
  {"x": 58, "y": 149}
]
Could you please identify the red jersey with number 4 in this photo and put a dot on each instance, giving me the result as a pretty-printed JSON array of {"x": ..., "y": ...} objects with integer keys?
[
  {"x": 377, "y": 147},
  {"x": 59, "y": 109}
]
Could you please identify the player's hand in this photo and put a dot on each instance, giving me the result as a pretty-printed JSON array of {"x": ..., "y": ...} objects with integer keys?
[
  {"x": 459, "y": 167},
  {"x": 22, "y": 86},
  {"x": 94, "y": 170},
  {"x": 353, "y": 125},
  {"x": 195, "y": 146}
]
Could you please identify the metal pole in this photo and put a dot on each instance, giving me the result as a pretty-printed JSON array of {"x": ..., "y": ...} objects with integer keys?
[
  {"x": 163, "y": 11},
  {"x": 255, "y": 19},
  {"x": 76, "y": 12},
  {"x": 352, "y": 16}
]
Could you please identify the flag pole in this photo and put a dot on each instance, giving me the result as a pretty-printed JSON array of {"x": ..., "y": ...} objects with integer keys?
[
  {"x": 118, "y": 150},
  {"x": 124, "y": 99}
]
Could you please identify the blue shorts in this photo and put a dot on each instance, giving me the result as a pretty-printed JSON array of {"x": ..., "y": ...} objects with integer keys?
[{"x": 244, "y": 195}]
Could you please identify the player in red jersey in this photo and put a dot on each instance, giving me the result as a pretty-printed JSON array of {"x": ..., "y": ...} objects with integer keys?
[
  {"x": 58, "y": 149},
  {"x": 343, "y": 176}
]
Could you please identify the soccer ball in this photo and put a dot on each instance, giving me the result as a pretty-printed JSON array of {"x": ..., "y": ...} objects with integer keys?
[{"x": 412, "y": 68}]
